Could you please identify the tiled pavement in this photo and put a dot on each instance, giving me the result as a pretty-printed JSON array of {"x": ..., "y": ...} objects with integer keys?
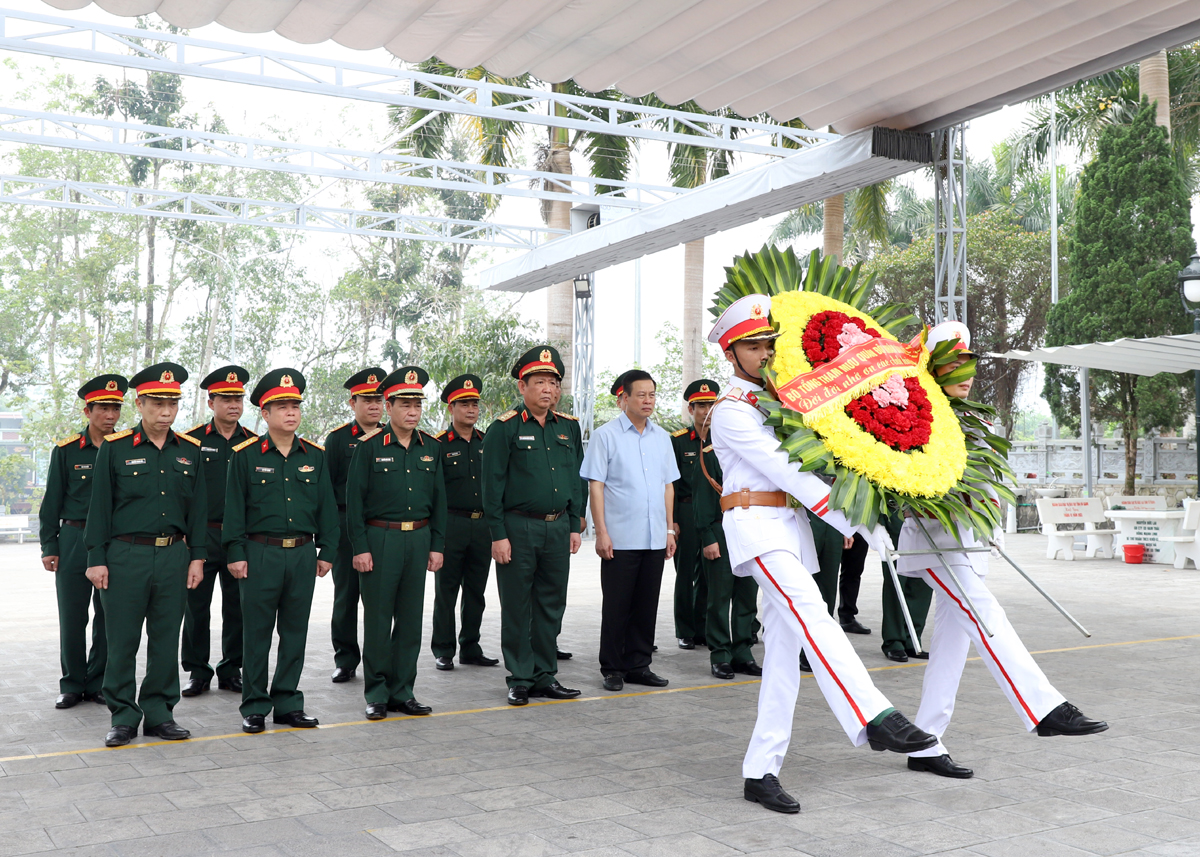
[{"x": 643, "y": 774}]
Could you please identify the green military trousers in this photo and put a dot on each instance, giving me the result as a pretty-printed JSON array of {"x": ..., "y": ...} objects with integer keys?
[
  {"x": 343, "y": 625},
  {"x": 197, "y": 618},
  {"x": 732, "y": 607},
  {"x": 918, "y": 595},
  {"x": 82, "y": 670},
  {"x": 829, "y": 542},
  {"x": 393, "y": 596},
  {"x": 691, "y": 589},
  {"x": 468, "y": 559},
  {"x": 146, "y": 585},
  {"x": 276, "y": 592},
  {"x": 533, "y": 597}
]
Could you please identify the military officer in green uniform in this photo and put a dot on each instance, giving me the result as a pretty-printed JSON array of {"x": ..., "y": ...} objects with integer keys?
[
  {"x": 468, "y": 554},
  {"x": 226, "y": 394},
  {"x": 396, "y": 512},
  {"x": 533, "y": 506},
  {"x": 145, "y": 538},
  {"x": 732, "y": 602},
  {"x": 366, "y": 403},
  {"x": 691, "y": 590},
  {"x": 279, "y": 511},
  {"x": 62, "y": 517}
]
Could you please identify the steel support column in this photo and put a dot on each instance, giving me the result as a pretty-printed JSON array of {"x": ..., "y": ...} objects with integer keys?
[
  {"x": 950, "y": 223},
  {"x": 584, "y": 375}
]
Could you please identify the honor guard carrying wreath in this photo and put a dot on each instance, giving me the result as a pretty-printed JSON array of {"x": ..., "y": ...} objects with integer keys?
[
  {"x": 280, "y": 533},
  {"x": 396, "y": 514},
  {"x": 62, "y": 518},
  {"x": 226, "y": 394},
  {"x": 145, "y": 536},
  {"x": 468, "y": 555},
  {"x": 366, "y": 403},
  {"x": 771, "y": 542}
]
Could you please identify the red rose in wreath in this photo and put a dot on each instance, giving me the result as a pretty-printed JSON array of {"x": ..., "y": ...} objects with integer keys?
[{"x": 897, "y": 412}]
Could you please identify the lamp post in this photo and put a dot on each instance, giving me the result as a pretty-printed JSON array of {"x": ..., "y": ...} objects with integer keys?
[{"x": 1189, "y": 293}]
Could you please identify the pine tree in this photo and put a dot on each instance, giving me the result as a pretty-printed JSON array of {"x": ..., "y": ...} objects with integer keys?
[{"x": 1132, "y": 234}]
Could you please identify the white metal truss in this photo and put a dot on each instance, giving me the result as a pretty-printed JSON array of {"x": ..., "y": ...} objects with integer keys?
[
  {"x": 950, "y": 223},
  {"x": 147, "y": 202},
  {"x": 167, "y": 52},
  {"x": 583, "y": 384},
  {"x": 35, "y": 127}
]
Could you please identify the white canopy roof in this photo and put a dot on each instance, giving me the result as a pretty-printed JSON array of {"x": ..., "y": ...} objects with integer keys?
[
  {"x": 850, "y": 64},
  {"x": 1137, "y": 356}
]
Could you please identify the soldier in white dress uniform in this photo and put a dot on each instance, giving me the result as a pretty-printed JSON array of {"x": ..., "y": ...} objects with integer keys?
[
  {"x": 1035, "y": 700},
  {"x": 773, "y": 544}
]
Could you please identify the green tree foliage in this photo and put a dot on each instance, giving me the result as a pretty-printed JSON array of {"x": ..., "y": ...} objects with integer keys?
[
  {"x": 14, "y": 479},
  {"x": 1132, "y": 234}
]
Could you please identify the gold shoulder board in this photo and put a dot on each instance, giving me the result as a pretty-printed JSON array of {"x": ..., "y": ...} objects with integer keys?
[
  {"x": 680, "y": 433},
  {"x": 193, "y": 428},
  {"x": 506, "y": 416},
  {"x": 313, "y": 443},
  {"x": 566, "y": 416},
  {"x": 440, "y": 434},
  {"x": 708, "y": 448},
  {"x": 370, "y": 434},
  {"x": 118, "y": 435},
  {"x": 244, "y": 444},
  {"x": 68, "y": 441},
  {"x": 188, "y": 438}
]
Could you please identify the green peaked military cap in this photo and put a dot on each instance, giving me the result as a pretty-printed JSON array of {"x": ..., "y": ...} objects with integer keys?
[
  {"x": 104, "y": 388},
  {"x": 618, "y": 384},
  {"x": 407, "y": 382},
  {"x": 366, "y": 382},
  {"x": 160, "y": 381},
  {"x": 702, "y": 390},
  {"x": 226, "y": 381},
  {"x": 279, "y": 385},
  {"x": 540, "y": 358},
  {"x": 462, "y": 387}
]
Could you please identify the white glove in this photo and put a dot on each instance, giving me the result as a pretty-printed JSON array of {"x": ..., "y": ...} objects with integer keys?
[
  {"x": 997, "y": 543},
  {"x": 878, "y": 540}
]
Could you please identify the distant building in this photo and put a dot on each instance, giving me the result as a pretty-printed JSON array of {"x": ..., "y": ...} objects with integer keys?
[{"x": 10, "y": 435}]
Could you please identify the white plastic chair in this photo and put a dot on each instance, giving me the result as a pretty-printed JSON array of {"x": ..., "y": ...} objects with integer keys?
[{"x": 1187, "y": 544}]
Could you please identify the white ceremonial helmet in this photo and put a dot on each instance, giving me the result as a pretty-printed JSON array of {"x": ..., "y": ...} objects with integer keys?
[
  {"x": 947, "y": 331},
  {"x": 746, "y": 319}
]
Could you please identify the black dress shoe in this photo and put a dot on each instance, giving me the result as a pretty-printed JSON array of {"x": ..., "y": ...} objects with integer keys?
[
  {"x": 119, "y": 736},
  {"x": 941, "y": 765},
  {"x": 701, "y": 641},
  {"x": 1069, "y": 720},
  {"x": 770, "y": 794},
  {"x": 724, "y": 671},
  {"x": 897, "y": 734},
  {"x": 168, "y": 730},
  {"x": 444, "y": 663},
  {"x": 518, "y": 695},
  {"x": 377, "y": 710},
  {"x": 97, "y": 697},
  {"x": 194, "y": 687},
  {"x": 647, "y": 678},
  {"x": 855, "y": 627},
  {"x": 919, "y": 656},
  {"x": 614, "y": 682},
  {"x": 297, "y": 719},
  {"x": 233, "y": 683},
  {"x": 805, "y": 666},
  {"x": 686, "y": 642},
  {"x": 479, "y": 661},
  {"x": 746, "y": 668},
  {"x": 563, "y": 656},
  {"x": 254, "y": 723},
  {"x": 68, "y": 700},
  {"x": 410, "y": 707},
  {"x": 342, "y": 674},
  {"x": 896, "y": 655},
  {"x": 554, "y": 690}
]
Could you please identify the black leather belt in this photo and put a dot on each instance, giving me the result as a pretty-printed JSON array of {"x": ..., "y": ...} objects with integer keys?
[
  {"x": 684, "y": 499},
  {"x": 552, "y": 516},
  {"x": 157, "y": 541},
  {"x": 473, "y": 514},
  {"x": 79, "y": 524},
  {"x": 216, "y": 525},
  {"x": 406, "y": 526},
  {"x": 274, "y": 542}
]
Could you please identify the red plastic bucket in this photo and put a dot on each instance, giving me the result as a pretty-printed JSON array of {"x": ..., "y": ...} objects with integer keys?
[{"x": 1134, "y": 553}]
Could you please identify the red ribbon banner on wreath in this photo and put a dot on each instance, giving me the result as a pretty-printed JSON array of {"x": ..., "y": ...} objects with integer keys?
[{"x": 850, "y": 374}]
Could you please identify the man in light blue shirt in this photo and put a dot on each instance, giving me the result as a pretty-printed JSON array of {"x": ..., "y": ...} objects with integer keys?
[{"x": 631, "y": 467}]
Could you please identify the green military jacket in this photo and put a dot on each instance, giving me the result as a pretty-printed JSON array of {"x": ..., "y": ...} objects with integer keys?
[
  {"x": 686, "y": 444},
  {"x": 462, "y": 469},
  {"x": 141, "y": 490},
  {"x": 532, "y": 468},
  {"x": 706, "y": 502},
  {"x": 339, "y": 448},
  {"x": 68, "y": 488},
  {"x": 216, "y": 452},
  {"x": 270, "y": 495},
  {"x": 388, "y": 482}
]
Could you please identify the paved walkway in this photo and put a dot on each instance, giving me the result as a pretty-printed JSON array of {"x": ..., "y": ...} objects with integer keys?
[{"x": 637, "y": 773}]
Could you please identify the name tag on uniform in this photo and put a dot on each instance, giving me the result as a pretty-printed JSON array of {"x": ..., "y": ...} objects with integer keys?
[
  {"x": 209, "y": 449},
  {"x": 689, "y": 455},
  {"x": 183, "y": 460},
  {"x": 526, "y": 437},
  {"x": 351, "y": 445},
  {"x": 453, "y": 454},
  {"x": 83, "y": 467},
  {"x": 307, "y": 468},
  {"x": 427, "y": 458},
  {"x": 385, "y": 460},
  {"x": 130, "y": 461},
  {"x": 264, "y": 469}
]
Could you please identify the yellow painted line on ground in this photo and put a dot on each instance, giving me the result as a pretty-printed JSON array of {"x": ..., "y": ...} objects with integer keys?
[{"x": 507, "y": 707}]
